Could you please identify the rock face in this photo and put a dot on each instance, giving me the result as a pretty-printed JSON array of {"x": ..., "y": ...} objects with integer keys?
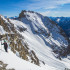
[
  {"x": 3, "y": 66},
  {"x": 32, "y": 36},
  {"x": 22, "y": 14}
]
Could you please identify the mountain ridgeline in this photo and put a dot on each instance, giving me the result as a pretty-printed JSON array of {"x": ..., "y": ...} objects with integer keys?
[
  {"x": 64, "y": 23},
  {"x": 32, "y": 36}
]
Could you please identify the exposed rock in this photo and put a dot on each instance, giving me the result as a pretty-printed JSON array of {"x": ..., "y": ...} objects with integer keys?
[
  {"x": 3, "y": 66},
  {"x": 22, "y": 14}
]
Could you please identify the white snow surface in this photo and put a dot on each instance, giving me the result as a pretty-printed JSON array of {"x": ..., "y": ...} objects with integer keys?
[
  {"x": 4, "y": 19},
  {"x": 58, "y": 20},
  {"x": 2, "y": 31}
]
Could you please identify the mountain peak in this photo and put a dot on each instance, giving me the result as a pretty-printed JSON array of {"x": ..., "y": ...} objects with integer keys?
[{"x": 22, "y": 14}]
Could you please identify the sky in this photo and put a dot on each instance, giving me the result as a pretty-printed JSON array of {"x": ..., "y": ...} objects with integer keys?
[{"x": 55, "y": 8}]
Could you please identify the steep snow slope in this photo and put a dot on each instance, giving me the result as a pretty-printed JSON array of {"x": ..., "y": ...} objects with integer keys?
[{"x": 44, "y": 37}]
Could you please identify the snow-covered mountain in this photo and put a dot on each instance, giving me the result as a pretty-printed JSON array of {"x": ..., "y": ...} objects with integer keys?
[
  {"x": 37, "y": 39},
  {"x": 64, "y": 23}
]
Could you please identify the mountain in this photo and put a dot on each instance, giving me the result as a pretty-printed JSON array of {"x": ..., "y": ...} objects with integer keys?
[
  {"x": 64, "y": 23},
  {"x": 37, "y": 39}
]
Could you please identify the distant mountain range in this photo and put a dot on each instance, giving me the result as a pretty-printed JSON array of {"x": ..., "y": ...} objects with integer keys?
[
  {"x": 64, "y": 23},
  {"x": 11, "y": 17}
]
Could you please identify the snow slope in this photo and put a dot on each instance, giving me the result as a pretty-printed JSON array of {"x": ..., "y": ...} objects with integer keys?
[{"x": 19, "y": 64}]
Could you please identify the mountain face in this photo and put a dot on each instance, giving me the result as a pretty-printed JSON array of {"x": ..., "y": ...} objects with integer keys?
[
  {"x": 64, "y": 23},
  {"x": 35, "y": 38}
]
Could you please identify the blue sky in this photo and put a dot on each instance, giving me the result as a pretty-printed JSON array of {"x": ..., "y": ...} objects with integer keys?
[{"x": 45, "y": 7}]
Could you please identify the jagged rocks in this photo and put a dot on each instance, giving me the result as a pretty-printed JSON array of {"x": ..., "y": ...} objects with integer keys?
[
  {"x": 34, "y": 57},
  {"x": 22, "y": 14},
  {"x": 7, "y": 26},
  {"x": 3, "y": 66}
]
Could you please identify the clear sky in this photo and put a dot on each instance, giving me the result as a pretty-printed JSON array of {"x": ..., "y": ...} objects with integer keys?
[{"x": 45, "y": 7}]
